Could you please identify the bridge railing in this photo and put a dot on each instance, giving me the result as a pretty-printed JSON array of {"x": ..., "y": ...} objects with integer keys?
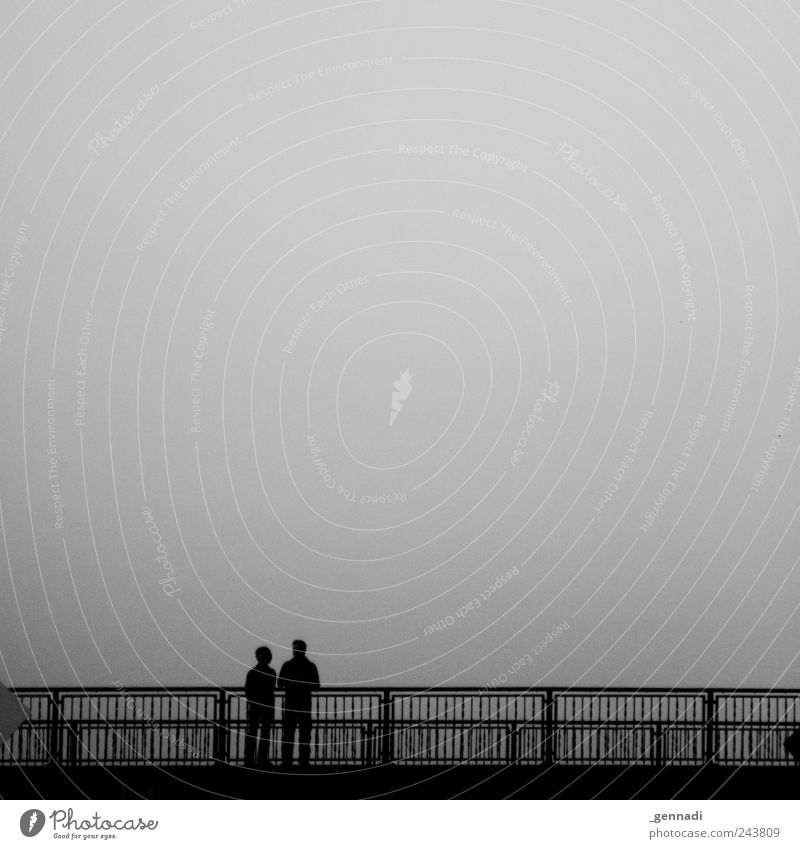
[{"x": 186, "y": 726}]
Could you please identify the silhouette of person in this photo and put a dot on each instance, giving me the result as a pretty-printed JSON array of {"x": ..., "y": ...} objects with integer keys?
[
  {"x": 259, "y": 690},
  {"x": 299, "y": 678}
]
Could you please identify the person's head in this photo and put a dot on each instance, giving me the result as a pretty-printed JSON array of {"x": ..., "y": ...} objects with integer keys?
[
  {"x": 299, "y": 648},
  {"x": 263, "y": 656}
]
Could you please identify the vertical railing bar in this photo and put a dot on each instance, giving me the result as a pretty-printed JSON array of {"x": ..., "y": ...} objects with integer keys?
[
  {"x": 387, "y": 730},
  {"x": 54, "y": 711},
  {"x": 549, "y": 727},
  {"x": 709, "y": 720}
]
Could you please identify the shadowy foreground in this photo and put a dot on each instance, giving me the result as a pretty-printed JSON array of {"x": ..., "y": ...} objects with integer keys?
[{"x": 559, "y": 782}]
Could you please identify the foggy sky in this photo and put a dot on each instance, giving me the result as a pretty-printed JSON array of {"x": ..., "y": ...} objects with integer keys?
[{"x": 227, "y": 232}]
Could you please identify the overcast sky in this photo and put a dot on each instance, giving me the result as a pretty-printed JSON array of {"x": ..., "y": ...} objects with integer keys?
[{"x": 459, "y": 339}]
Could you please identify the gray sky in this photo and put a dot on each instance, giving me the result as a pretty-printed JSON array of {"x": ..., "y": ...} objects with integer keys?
[{"x": 459, "y": 339}]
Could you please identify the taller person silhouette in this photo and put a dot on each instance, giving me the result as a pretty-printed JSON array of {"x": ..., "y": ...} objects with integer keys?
[{"x": 299, "y": 678}]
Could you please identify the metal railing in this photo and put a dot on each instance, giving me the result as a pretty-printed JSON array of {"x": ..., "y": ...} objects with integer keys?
[{"x": 188, "y": 726}]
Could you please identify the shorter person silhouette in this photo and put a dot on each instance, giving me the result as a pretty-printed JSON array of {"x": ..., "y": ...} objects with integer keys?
[
  {"x": 259, "y": 690},
  {"x": 299, "y": 678}
]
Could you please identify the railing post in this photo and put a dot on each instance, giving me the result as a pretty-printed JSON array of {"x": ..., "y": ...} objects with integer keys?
[
  {"x": 549, "y": 727},
  {"x": 367, "y": 742},
  {"x": 512, "y": 742},
  {"x": 54, "y": 710},
  {"x": 387, "y": 727},
  {"x": 73, "y": 738},
  {"x": 658, "y": 737},
  {"x": 221, "y": 728},
  {"x": 709, "y": 726}
]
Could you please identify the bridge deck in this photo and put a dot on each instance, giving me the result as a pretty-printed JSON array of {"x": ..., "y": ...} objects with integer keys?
[{"x": 600, "y": 782}]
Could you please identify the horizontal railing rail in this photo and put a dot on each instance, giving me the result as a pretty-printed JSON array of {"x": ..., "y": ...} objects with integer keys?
[{"x": 356, "y": 726}]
